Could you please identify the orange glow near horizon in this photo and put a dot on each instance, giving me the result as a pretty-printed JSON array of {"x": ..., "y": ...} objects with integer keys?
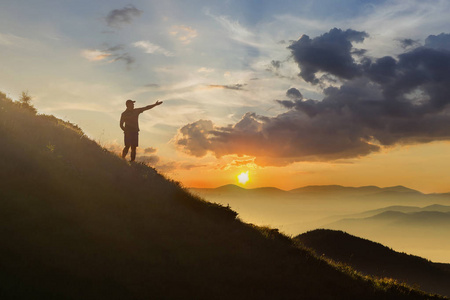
[{"x": 420, "y": 167}]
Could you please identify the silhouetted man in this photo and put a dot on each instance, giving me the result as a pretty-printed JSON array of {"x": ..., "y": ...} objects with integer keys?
[{"x": 130, "y": 126}]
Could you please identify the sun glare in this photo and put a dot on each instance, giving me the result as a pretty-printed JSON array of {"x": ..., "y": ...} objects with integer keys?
[{"x": 243, "y": 177}]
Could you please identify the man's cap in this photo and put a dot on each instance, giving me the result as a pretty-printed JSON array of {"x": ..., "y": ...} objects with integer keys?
[{"x": 129, "y": 101}]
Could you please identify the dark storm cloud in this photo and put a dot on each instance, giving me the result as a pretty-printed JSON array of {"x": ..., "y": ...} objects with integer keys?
[
  {"x": 406, "y": 43},
  {"x": 119, "y": 17},
  {"x": 293, "y": 93},
  {"x": 439, "y": 42},
  {"x": 330, "y": 52},
  {"x": 380, "y": 103}
]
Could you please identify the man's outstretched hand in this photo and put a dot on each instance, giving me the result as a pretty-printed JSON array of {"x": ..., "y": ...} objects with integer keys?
[{"x": 158, "y": 103}]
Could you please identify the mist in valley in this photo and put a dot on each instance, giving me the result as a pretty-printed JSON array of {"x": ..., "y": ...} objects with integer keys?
[{"x": 400, "y": 218}]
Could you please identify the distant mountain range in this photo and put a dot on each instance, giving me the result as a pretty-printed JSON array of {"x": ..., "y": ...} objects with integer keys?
[
  {"x": 397, "y": 216},
  {"x": 374, "y": 259},
  {"x": 315, "y": 190},
  {"x": 433, "y": 215}
]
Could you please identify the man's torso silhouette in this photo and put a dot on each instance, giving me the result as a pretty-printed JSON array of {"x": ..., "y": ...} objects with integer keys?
[{"x": 131, "y": 119}]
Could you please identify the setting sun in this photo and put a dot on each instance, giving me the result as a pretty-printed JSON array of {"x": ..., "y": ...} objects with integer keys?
[{"x": 243, "y": 177}]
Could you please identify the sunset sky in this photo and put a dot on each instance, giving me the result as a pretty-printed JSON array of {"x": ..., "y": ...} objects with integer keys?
[{"x": 294, "y": 92}]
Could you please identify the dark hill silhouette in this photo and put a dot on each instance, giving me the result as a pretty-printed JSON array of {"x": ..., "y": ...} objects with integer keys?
[
  {"x": 375, "y": 259},
  {"x": 78, "y": 222}
]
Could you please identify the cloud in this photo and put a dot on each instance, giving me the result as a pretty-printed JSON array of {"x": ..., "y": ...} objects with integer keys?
[
  {"x": 152, "y": 48},
  {"x": 276, "y": 64},
  {"x": 127, "y": 58},
  {"x": 293, "y": 93},
  {"x": 238, "y": 31},
  {"x": 237, "y": 86},
  {"x": 12, "y": 40},
  {"x": 95, "y": 54},
  {"x": 152, "y": 85},
  {"x": 381, "y": 102},
  {"x": 194, "y": 137},
  {"x": 119, "y": 17},
  {"x": 248, "y": 163},
  {"x": 330, "y": 52},
  {"x": 406, "y": 43},
  {"x": 183, "y": 33},
  {"x": 150, "y": 150},
  {"x": 439, "y": 42},
  {"x": 205, "y": 70},
  {"x": 115, "y": 53}
]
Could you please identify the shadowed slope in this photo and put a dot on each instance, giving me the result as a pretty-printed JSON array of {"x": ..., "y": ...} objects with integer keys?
[
  {"x": 77, "y": 222},
  {"x": 375, "y": 259}
]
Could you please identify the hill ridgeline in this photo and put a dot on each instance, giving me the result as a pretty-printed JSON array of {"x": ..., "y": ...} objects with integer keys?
[{"x": 78, "y": 222}]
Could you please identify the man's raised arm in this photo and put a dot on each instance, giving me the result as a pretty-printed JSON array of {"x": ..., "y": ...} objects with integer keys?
[{"x": 152, "y": 105}]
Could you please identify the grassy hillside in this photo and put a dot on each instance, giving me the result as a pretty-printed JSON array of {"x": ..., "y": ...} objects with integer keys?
[
  {"x": 377, "y": 260},
  {"x": 78, "y": 222}
]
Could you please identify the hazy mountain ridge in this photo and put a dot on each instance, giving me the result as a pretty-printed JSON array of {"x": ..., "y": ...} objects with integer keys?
[
  {"x": 392, "y": 217},
  {"x": 80, "y": 223},
  {"x": 377, "y": 260},
  {"x": 311, "y": 189}
]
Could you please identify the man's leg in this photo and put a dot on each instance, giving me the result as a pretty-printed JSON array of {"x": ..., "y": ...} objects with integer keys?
[
  {"x": 133, "y": 153},
  {"x": 125, "y": 151}
]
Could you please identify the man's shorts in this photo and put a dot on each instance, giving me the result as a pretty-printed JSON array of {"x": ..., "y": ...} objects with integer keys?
[{"x": 131, "y": 139}]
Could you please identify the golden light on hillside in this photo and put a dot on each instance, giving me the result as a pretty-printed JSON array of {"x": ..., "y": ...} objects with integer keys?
[{"x": 243, "y": 177}]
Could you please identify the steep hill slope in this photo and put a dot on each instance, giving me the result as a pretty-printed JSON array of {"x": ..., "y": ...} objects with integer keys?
[
  {"x": 77, "y": 222},
  {"x": 377, "y": 260}
]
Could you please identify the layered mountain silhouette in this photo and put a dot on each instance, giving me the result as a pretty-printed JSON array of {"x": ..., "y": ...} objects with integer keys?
[
  {"x": 396, "y": 218},
  {"x": 375, "y": 259},
  {"x": 312, "y": 190},
  {"x": 302, "y": 209},
  {"x": 78, "y": 222}
]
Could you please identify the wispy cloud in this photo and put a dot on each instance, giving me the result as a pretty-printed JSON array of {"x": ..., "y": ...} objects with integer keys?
[
  {"x": 232, "y": 26},
  {"x": 236, "y": 31},
  {"x": 150, "y": 150},
  {"x": 9, "y": 39},
  {"x": 237, "y": 86},
  {"x": 115, "y": 53},
  {"x": 119, "y": 17},
  {"x": 151, "y": 48},
  {"x": 184, "y": 33},
  {"x": 152, "y": 85},
  {"x": 205, "y": 70},
  {"x": 95, "y": 54}
]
